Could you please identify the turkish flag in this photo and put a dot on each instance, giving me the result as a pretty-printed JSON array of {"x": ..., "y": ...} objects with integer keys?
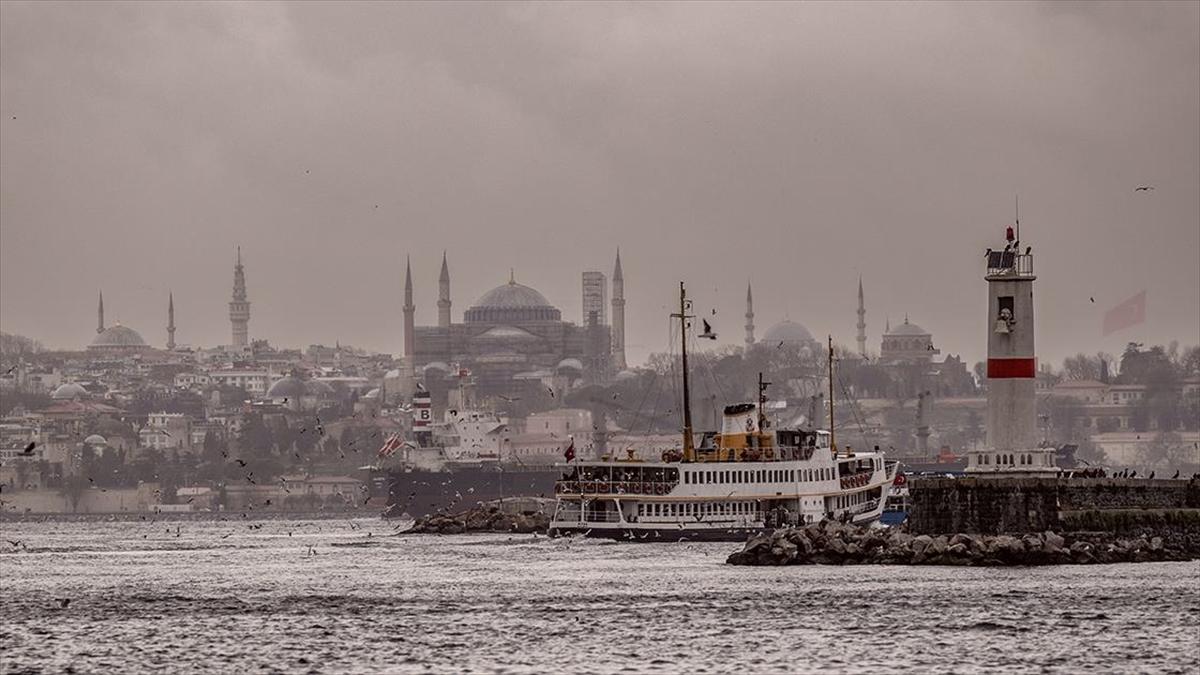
[
  {"x": 1128, "y": 313},
  {"x": 570, "y": 452}
]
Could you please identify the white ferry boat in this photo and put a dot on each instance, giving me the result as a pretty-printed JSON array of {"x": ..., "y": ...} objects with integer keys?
[{"x": 743, "y": 480}]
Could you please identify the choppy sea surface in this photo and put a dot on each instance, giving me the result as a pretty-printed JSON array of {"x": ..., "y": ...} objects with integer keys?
[{"x": 330, "y": 596}]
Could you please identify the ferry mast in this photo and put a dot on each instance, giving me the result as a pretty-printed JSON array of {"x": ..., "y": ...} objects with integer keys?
[
  {"x": 832, "y": 442},
  {"x": 689, "y": 449}
]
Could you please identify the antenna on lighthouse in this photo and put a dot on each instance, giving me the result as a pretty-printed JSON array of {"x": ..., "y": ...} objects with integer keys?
[{"x": 1017, "y": 202}]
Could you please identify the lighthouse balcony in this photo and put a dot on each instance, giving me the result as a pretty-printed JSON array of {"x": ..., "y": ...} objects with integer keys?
[{"x": 1009, "y": 264}]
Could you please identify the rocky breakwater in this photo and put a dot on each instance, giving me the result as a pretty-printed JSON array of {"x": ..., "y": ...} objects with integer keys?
[
  {"x": 832, "y": 543},
  {"x": 482, "y": 518}
]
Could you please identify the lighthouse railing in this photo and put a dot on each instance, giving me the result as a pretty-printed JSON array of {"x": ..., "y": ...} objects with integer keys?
[{"x": 1005, "y": 263}]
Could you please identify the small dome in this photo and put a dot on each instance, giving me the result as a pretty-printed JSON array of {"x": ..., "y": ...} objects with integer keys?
[
  {"x": 68, "y": 391},
  {"x": 907, "y": 328},
  {"x": 570, "y": 364},
  {"x": 625, "y": 375},
  {"x": 117, "y": 336},
  {"x": 95, "y": 439},
  {"x": 787, "y": 331},
  {"x": 318, "y": 389},
  {"x": 506, "y": 334},
  {"x": 289, "y": 386},
  {"x": 436, "y": 365}
]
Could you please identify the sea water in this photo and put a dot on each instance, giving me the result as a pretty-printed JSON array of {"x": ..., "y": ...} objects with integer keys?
[{"x": 329, "y": 596}]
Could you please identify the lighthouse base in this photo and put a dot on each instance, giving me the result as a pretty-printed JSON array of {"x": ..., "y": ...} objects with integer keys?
[{"x": 1032, "y": 462}]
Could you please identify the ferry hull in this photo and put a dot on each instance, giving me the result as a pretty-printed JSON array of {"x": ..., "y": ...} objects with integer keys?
[{"x": 660, "y": 534}]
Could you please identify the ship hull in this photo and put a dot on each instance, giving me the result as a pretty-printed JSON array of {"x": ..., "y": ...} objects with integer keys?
[
  {"x": 420, "y": 493},
  {"x": 660, "y": 534}
]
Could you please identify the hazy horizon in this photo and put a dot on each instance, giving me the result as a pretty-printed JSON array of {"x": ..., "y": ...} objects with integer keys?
[{"x": 796, "y": 146}]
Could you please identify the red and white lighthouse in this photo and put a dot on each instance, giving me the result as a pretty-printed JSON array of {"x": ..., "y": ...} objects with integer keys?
[{"x": 1012, "y": 446}]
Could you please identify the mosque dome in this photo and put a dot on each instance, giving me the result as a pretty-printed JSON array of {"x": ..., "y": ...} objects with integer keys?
[
  {"x": 435, "y": 365},
  {"x": 506, "y": 334},
  {"x": 908, "y": 329},
  {"x": 787, "y": 331},
  {"x": 288, "y": 386},
  {"x": 574, "y": 365},
  {"x": 118, "y": 337},
  {"x": 68, "y": 391},
  {"x": 512, "y": 302},
  {"x": 318, "y": 389},
  {"x": 95, "y": 439}
]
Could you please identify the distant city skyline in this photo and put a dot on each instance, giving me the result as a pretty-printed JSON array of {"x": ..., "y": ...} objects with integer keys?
[{"x": 825, "y": 143}]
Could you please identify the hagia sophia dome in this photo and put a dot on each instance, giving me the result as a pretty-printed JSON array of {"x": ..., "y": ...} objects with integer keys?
[
  {"x": 118, "y": 338},
  {"x": 512, "y": 302},
  {"x": 788, "y": 331}
]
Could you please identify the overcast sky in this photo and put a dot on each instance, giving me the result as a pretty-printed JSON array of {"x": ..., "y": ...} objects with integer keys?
[{"x": 797, "y": 146}]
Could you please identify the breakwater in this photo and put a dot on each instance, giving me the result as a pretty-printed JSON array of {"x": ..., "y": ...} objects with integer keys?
[
  {"x": 482, "y": 518},
  {"x": 833, "y": 543},
  {"x": 1025, "y": 505}
]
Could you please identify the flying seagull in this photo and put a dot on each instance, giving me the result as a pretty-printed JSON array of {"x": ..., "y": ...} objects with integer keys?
[{"x": 1143, "y": 188}]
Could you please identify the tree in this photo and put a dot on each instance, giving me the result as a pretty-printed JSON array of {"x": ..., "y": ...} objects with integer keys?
[
  {"x": 1165, "y": 449},
  {"x": 255, "y": 438},
  {"x": 1082, "y": 367}
]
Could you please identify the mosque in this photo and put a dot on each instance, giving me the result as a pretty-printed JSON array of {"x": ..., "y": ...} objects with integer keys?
[
  {"x": 116, "y": 340},
  {"x": 512, "y": 338},
  {"x": 907, "y": 360}
]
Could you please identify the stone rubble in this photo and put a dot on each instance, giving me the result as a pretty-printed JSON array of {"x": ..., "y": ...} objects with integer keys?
[
  {"x": 834, "y": 543},
  {"x": 481, "y": 519}
]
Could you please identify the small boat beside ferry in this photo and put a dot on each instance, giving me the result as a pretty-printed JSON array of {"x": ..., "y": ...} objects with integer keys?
[{"x": 745, "y": 479}]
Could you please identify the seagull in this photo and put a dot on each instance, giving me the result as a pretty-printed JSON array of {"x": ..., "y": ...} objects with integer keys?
[
  {"x": 1143, "y": 188},
  {"x": 1176, "y": 474},
  {"x": 29, "y": 448},
  {"x": 707, "y": 334},
  {"x": 1151, "y": 475},
  {"x": 987, "y": 253},
  {"x": 63, "y": 602},
  {"x": 1028, "y": 250},
  {"x": 1093, "y": 300}
]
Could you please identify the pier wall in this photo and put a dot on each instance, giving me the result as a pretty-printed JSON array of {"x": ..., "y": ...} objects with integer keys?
[{"x": 1021, "y": 505}]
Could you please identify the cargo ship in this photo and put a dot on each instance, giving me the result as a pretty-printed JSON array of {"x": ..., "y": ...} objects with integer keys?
[{"x": 451, "y": 465}]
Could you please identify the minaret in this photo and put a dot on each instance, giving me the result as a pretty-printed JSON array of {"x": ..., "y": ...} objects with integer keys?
[
  {"x": 239, "y": 307},
  {"x": 1012, "y": 440},
  {"x": 862, "y": 322},
  {"x": 618, "y": 315},
  {"x": 170, "y": 321},
  {"x": 444, "y": 295},
  {"x": 100, "y": 314},
  {"x": 749, "y": 316},
  {"x": 409, "y": 330}
]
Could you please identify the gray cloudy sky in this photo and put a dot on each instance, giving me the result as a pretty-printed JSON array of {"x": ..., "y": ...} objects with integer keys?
[{"x": 795, "y": 145}]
